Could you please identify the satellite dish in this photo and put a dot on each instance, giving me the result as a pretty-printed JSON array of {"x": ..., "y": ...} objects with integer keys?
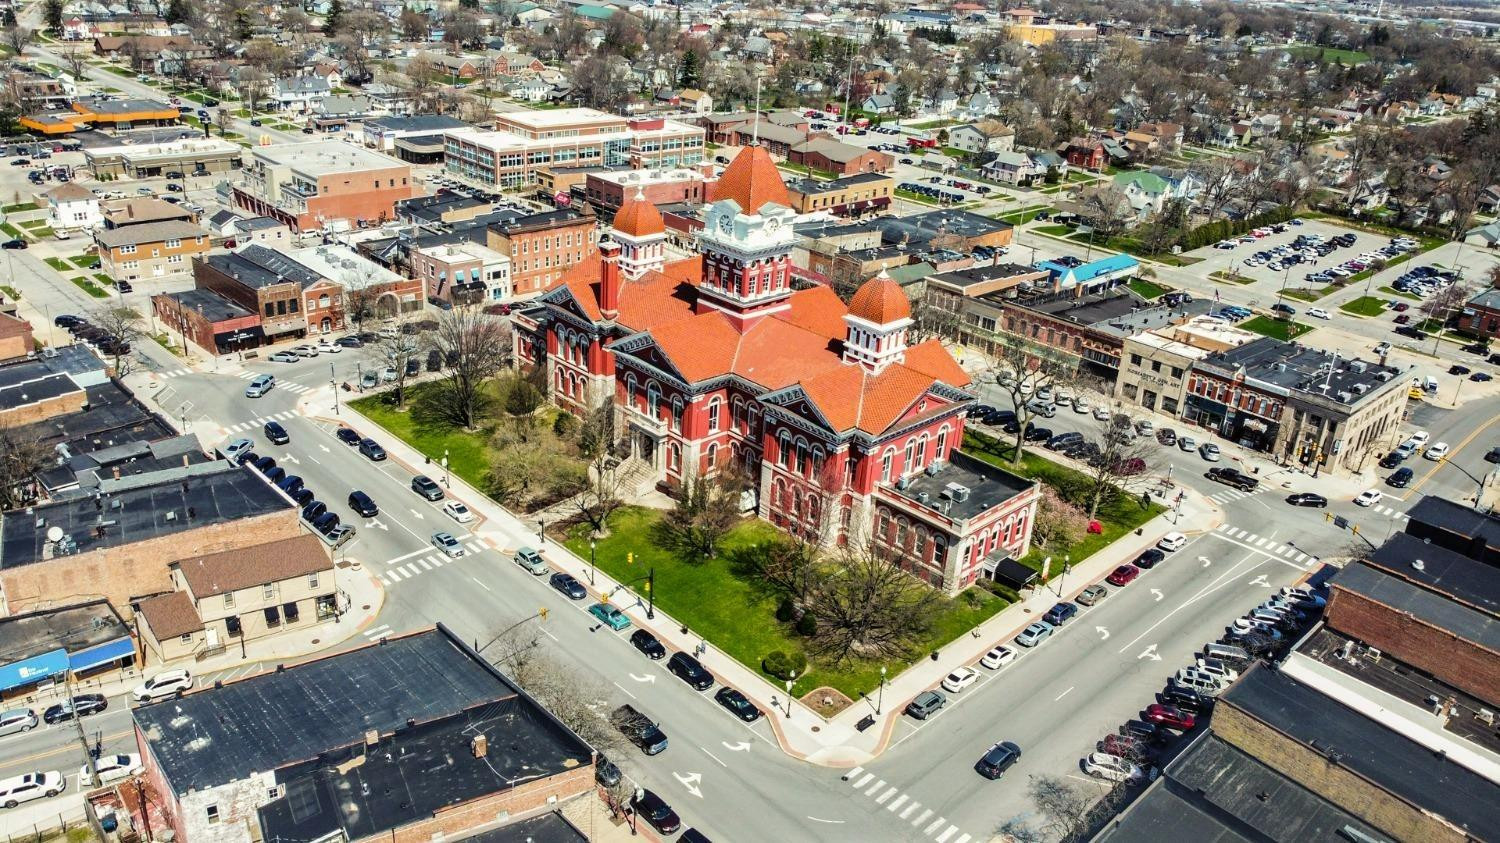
[{"x": 54, "y": 534}]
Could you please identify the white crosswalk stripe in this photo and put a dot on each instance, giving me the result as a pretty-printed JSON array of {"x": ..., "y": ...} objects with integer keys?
[
  {"x": 885, "y": 797},
  {"x": 378, "y": 632},
  {"x": 906, "y": 808},
  {"x": 926, "y": 812},
  {"x": 896, "y": 803},
  {"x": 476, "y": 546},
  {"x": 426, "y": 566},
  {"x": 935, "y": 824},
  {"x": 874, "y": 788},
  {"x": 943, "y": 838},
  {"x": 861, "y": 782},
  {"x": 911, "y": 809}
]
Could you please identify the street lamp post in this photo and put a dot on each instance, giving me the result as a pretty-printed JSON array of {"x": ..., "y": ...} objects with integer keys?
[
  {"x": 791, "y": 680},
  {"x": 651, "y": 594},
  {"x": 880, "y": 700},
  {"x": 333, "y": 382}
]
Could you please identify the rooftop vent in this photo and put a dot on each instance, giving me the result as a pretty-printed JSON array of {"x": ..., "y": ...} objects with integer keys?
[{"x": 1418, "y": 565}]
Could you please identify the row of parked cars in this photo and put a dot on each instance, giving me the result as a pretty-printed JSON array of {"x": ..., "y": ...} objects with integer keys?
[
  {"x": 1396, "y": 248},
  {"x": 92, "y": 334},
  {"x": 930, "y": 191}
]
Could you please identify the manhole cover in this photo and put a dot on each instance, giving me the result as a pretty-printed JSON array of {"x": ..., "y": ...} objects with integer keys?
[
  {"x": 315, "y": 641},
  {"x": 365, "y": 607},
  {"x": 817, "y": 728}
]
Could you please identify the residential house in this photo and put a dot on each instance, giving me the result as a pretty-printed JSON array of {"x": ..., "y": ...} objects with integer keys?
[
  {"x": 982, "y": 137},
  {"x": 71, "y": 207},
  {"x": 298, "y": 94},
  {"x": 1086, "y": 154},
  {"x": 1009, "y": 167},
  {"x": 1480, "y": 316},
  {"x": 879, "y": 104},
  {"x": 150, "y": 250},
  {"x": 696, "y": 101}
]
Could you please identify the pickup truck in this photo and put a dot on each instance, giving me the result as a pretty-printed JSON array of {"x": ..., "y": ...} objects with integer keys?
[{"x": 640, "y": 729}]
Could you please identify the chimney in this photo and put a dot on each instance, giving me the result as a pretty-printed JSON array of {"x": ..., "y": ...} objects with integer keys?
[
  {"x": 609, "y": 282},
  {"x": 480, "y": 745}
]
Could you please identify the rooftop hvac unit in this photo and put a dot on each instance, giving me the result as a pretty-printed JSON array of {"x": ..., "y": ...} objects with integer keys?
[
  {"x": 1372, "y": 654},
  {"x": 1344, "y": 396},
  {"x": 902, "y": 483},
  {"x": 1384, "y": 377},
  {"x": 957, "y": 492},
  {"x": 1358, "y": 366},
  {"x": 934, "y": 468}
]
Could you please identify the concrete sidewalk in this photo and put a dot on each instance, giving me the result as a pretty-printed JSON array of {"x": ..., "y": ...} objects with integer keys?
[{"x": 835, "y": 742}]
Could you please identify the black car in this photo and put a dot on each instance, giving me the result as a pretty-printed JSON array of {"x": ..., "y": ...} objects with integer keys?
[
  {"x": 655, "y": 810},
  {"x": 67, "y": 321},
  {"x": 275, "y": 474},
  {"x": 605, "y": 772},
  {"x": 427, "y": 487},
  {"x": 363, "y": 504},
  {"x": 1481, "y": 376},
  {"x": 1185, "y": 698},
  {"x": 1284, "y": 309},
  {"x": 370, "y": 448},
  {"x": 1037, "y": 434},
  {"x": 13, "y": 244},
  {"x": 291, "y": 484},
  {"x": 264, "y": 464},
  {"x": 1233, "y": 477},
  {"x": 1456, "y": 369},
  {"x": 569, "y": 585},
  {"x": 302, "y": 496},
  {"x": 1390, "y": 460},
  {"x": 737, "y": 704},
  {"x": 311, "y": 511},
  {"x": 1307, "y": 499},
  {"x": 1493, "y": 455},
  {"x": 326, "y": 522},
  {"x": 691, "y": 671},
  {"x": 1399, "y": 478},
  {"x": 350, "y": 342},
  {"x": 347, "y": 436},
  {"x": 276, "y": 433},
  {"x": 81, "y": 705},
  {"x": 1149, "y": 558},
  {"x": 124, "y": 286},
  {"x": 1000, "y": 757},
  {"x": 647, "y": 644}
]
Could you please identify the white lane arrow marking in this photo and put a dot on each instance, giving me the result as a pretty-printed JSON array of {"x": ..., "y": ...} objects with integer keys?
[
  {"x": 1149, "y": 653},
  {"x": 375, "y": 522},
  {"x": 742, "y": 746},
  {"x": 1103, "y": 633},
  {"x": 291, "y": 459},
  {"x": 1260, "y": 581},
  {"x": 650, "y": 677},
  {"x": 418, "y": 515},
  {"x": 1157, "y": 592},
  {"x": 1204, "y": 560},
  {"x": 690, "y": 781},
  {"x": 326, "y": 449}
]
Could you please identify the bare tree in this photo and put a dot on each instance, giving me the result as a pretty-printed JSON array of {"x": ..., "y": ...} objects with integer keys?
[
  {"x": 1065, "y": 806},
  {"x": 394, "y": 350},
  {"x": 1120, "y": 465},
  {"x": 603, "y": 496},
  {"x": 1441, "y": 304},
  {"x": 866, "y": 606},
  {"x": 18, "y": 38},
  {"x": 580, "y": 702},
  {"x": 123, "y": 324},
  {"x": 705, "y": 511},
  {"x": 21, "y": 457},
  {"x": 76, "y": 59},
  {"x": 1021, "y": 372},
  {"x": 1107, "y": 210},
  {"x": 475, "y": 347}
]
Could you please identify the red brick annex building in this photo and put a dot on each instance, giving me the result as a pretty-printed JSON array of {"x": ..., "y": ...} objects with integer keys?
[{"x": 716, "y": 361}]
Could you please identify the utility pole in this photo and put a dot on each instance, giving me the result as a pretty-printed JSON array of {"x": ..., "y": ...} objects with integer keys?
[{"x": 83, "y": 739}]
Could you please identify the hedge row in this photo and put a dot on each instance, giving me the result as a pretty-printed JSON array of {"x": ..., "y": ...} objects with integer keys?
[{"x": 1213, "y": 232}]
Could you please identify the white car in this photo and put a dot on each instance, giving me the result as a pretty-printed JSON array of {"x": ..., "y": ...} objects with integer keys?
[
  {"x": 1437, "y": 451},
  {"x": 458, "y": 512},
  {"x": 37, "y": 785},
  {"x": 1318, "y": 313},
  {"x": 1172, "y": 542},
  {"x": 1419, "y": 437},
  {"x": 447, "y": 544},
  {"x": 110, "y": 768},
  {"x": 162, "y": 685},
  {"x": 237, "y": 447},
  {"x": 1102, "y": 765},
  {"x": 998, "y": 658},
  {"x": 1246, "y": 626},
  {"x": 960, "y": 679},
  {"x": 1303, "y": 594},
  {"x": 1080, "y": 404},
  {"x": 328, "y": 347},
  {"x": 1368, "y": 497}
]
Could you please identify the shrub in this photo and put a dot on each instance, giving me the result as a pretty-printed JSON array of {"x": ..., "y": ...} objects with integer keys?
[
  {"x": 784, "y": 665},
  {"x": 1002, "y": 591},
  {"x": 786, "y": 610},
  {"x": 564, "y": 425},
  {"x": 807, "y": 624}
]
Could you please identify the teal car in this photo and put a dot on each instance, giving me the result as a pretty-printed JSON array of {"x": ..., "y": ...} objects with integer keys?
[{"x": 609, "y": 615}]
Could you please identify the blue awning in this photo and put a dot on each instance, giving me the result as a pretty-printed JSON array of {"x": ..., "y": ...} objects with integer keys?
[
  {"x": 102, "y": 654},
  {"x": 33, "y": 670}
]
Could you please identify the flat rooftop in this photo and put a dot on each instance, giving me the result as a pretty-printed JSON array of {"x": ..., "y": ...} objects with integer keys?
[
  {"x": 552, "y": 118},
  {"x": 1448, "y": 572},
  {"x": 811, "y": 187},
  {"x": 343, "y": 265},
  {"x": 1416, "y": 601},
  {"x": 1456, "y": 526},
  {"x": 256, "y": 266},
  {"x": 1381, "y": 756},
  {"x": 213, "y": 307},
  {"x": 325, "y": 158},
  {"x": 988, "y": 486},
  {"x": 415, "y": 123},
  {"x": 1296, "y": 367},
  {"x": 135, "y": 509},
  {"x": 44, "y": 388},
  {"x": 71, "y": 628},
  {"x": 646, "y": 178}
]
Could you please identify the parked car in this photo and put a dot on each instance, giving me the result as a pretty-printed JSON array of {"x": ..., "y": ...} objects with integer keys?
[
  {"x": 110, "y": 768},
  {"x": 458, "y": 512},
  {"x": 1149, "y": 557},
  {"x": 1400, "y": 478},
  {"x": 1092, "y": 595},
  {"x": 1169, "y": 716},
  {"x": 998, "y": 657},
  {"x": 1034, "y": 634},
  {"x": 371, "y": 449},
  {"x": 427, "y": 487},
  {"x": 926, "y": 704},
  {"x": 162, "y": 685},
  {"x": 691, "y": 671},
  {"x": 1209, "y": 451},
  {"x": 1123, "y": 575},
  {"x": 646, "y": 642},
  {"x": 610, "y": 616},
  {"x": 568, "y": 585},
  {"x": 348, "y": 436},
  {"x": 1436, "y": 452},
  {"x": 1172, "y": 542},
  {"x": 959, "y": 679},
  {"x": 655, "y": 810},
  {"x": 30, "y": 786},
  {"x": 532, "y": 561},
  {"x": 1113, "y": 768},
  {"x": 363, "y": 504},
  {"x": 1368, "y": 497},
  {"x": 1060, "y": 614},
  {"x": 80, "y": 705},
  {"x": 737, "y": 704}
]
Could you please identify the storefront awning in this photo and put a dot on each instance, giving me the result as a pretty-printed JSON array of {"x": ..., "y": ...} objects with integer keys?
[
  {"x": 1003, "y": 569},
  {"x": 112, "y": 651},
  {"x": 244, "y": 336},
  {"x": 33, "y": 670}
]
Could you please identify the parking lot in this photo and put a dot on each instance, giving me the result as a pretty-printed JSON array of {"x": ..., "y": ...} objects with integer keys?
[{"x": 1268, "y": 281}]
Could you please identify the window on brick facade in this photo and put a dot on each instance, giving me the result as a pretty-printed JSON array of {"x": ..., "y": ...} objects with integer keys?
[
  {"x": 213, "y": 815},
  {"x": 713, "y": 414}
]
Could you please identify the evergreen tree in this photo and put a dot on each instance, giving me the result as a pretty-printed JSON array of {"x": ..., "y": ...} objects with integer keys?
[
  {"x": 52, "y": 12},
  {"x": 331, "y": 20},
  {"x": 178, "y": 11},
  {"x": 689, "y": 72},
  {"x": 242, "y": 26}
]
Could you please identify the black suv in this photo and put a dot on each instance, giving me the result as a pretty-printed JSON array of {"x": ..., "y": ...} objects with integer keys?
[
  {"x": 276, "y": 433},
  {"x": 689, "y": 670},
  {"x": 1001, "y": 757},
  {"x": 737, "y": 704},
  {"x": 427, "y": 487},
  {"x": 363, "y": 504},
  {"x": 1399, "y": 478},
  {"x": 1233, "y": 477},
  {"x": 647, "y": 644}
]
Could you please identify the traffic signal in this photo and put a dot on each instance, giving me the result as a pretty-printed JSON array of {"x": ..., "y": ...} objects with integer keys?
[
  {"x": 630, "y": 558},
  {"x": 1328, "y": 516},
  {"x": 648, "y": 586}
]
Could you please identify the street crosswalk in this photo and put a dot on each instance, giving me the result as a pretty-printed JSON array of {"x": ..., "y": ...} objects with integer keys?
[
  {"x": 1224, "y": 496},
  {"x": 379, "y": 632},
  {"x": 255, "y": 424},
  {"x": 283, "y": 385},
  {"x": 405, "y": 568},
  {"x": 901, "y": 806},
  {"x": 1265, "y": 545},
  {"x": 174, "y": 373},
  {"x": 1389, "y": 512}
]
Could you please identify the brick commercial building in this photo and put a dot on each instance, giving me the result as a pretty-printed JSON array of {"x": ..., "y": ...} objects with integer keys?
[
  {"x": 1154, "y": 364},
  {"x": 851, "y": 196},
  {"x": 144, "y": 161},
  {"x": 715, "y": 363},
  {"x": 1480, "y": 315},
  {"x": 323, "y": 185},
  {"x": 834, "y": 156},
  {"x": 607, "y": 191},
  {"x": 542, "y": 246},
  {"x": 276, "y": 287},
  {"x": 87, "y": 640},
  {"x": 117, "y": 544},
  {"x": 462, "y": 273},
  {"x": 152, "y": 250},
  {"x": 320, "y": 750},
  {"x": 208, "y": 320}
]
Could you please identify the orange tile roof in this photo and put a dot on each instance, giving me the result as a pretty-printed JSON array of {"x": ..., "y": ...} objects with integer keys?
[
  {"x": 880, "y": 300},
  {"x": 638, "y": 218},
  {"x": 819, "y": 310},
  {"x": 699, "y": 348},
  {"x": 752, "y": 180},
  {"x": 776, "y": 354},
  {"x": 931, "y": 359},
  {"x": 654, "y": 299}
]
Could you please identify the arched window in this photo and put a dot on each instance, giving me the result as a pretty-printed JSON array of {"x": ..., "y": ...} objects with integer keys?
[
  {"x": 677, "y": 413},
  {"x": 885, "y": 464},
  {"x": 713, "y": 454},
  {"x": 630, "y": 389},
  {"x": 942, "y": 444},
  {"x": 674, "y": 456},
  {"x": 812, "y": 509},
  {"x": 323, "y": 300},
  {"x": 653, "y": 400},
  {"x": 801, "y": 465},
  {"x": 713, "y": 413},
  {"x": 737, "y": 413},
  {"x": 910, "y": 456}
]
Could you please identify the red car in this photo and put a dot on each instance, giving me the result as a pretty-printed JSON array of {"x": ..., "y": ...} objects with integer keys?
[
  {"x": 1169, "y": 716},
  {"x": 1123, "y": 575},
  {"x": 1401, "y": 307},
  {"x": 1124, "y": 746},
  {"x": 1402, "y": 319}
]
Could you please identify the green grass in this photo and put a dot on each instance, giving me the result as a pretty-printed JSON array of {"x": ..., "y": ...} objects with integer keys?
[
  {"x": 90, "y": 287},
  {"x": 1024, "y": 215},
  {"x": 10, "y": 292},
  {"x": 82, "y": 261},
  {"x": 1076, "y": 176},
  {"x": 1229, "y": 278},
  {"x": 469, "y": 454},
  {"x": 119, "y": 71},
  {"x": 1330, "y": 55},
  {"x": 1118, "y": 517},
  {"x": 736, "y": 613},
  {"x": 932, "y": 124},
  {"x": 1148, "y": 289},
  {"x": 1364, "y": 306},
  {"x": 1307, "y": 294},
  {"x": 1132, "y": 246},
  {"x": 1392, "y": 291},
  {"x": 166, "y": 342},
  {"x": 14, "y": 232},
  {"x": 19, "y": 207},
  {"x": 1053, "y": 230},
  {"x": 34, "y": 224},
  {"x": 104, "y": 279},
  {"x": 915, "y": 197},
  {"x": 1281, "y": 329},
  {"x": 42, "y": 232},
  {"x": 58, "y": 264}
]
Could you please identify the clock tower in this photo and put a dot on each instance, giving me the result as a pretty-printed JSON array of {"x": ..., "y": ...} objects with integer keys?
[{"x": 747, "y": 240}]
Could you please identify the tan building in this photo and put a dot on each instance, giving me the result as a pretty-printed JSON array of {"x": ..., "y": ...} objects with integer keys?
[
  {"x": 153, "y": 250},
  {"x": 119, "y": 213},
  {"x": 323, "y": 185},
  {"x": 852, "y": 196},
  {"x": 1154, "y": 364},
  {"x": 541, "y": 246},
  {"x": 240, "y": 595}
]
